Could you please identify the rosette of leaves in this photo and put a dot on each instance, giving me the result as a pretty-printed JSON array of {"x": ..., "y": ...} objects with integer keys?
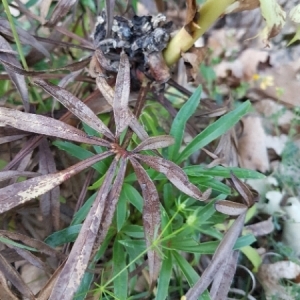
[{"x": 100, "y": 216}]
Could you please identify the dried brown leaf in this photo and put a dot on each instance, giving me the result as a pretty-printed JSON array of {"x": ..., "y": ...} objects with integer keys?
[
  {"x": 70, "y": 277},
  {"x": 25, "y": 37},
  {"x": 223, "y": 250},
  {"x": 243, "y": 190},
  {"x": 18, "y": 80},
  {"x": 242, "y": 5},
  {"x": 230, "y": 208},
  {"x": 110, "y": 205},
  {"x": 109, "y": 9},
  {"x": 5, "y": 292},
  {"x": 121, "y": 96},
  {"x": 261, "y": 228},
  {"x": 4, "y": 175},
  {"x": 151, "y": 217},
  {"x": 49, "y": 202},
  {"x": 76, "y": 106},
  {"x": 223, "y": 278},
  {"x": 60, "y": 10},
  {"x": 174, "y": 173},
  {"x": 46, "y": 126},
  {"x": 103, "y": 61},
  {"x": 8, "y": 139},
  {"x": 21, "y": 192},
  {"x": 14, "y": 277},
  {"x": 158, "y": 67},
  {"x": 155, "y": 142},
  {"x": 26, "y": 240},
  {"x": 191, "y": 14}
]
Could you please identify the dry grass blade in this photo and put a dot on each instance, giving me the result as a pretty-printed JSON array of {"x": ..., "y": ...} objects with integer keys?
[
  {"x": 46, "y": 126},
  {"x": 242, "y": 189},
  {"x": 223, "y": 279},
  {"x": 109, "y": 9},
  {"x": 73, "y": 271},
  {"x": 49, "y": 202},
  {"x": 4, "y": 175},
  {"x": 223, "y": 250},
  {"x": 60, "y": 10},
  {"x": 14, "y": 277},
  {"x": 24, "y": 37},
  {"x": 110, "y": 205},
  {"x": 8, "y": 139},
  {"x": 5, "y": 292},
  {"x": 230, "y": 208},
  {"x": 174, "y": 173},
  {"x": 155, "y": 142},
  {"x": 151, "y": 217},
  {"x": 40, "y": 246},
  {"x": 45, "y": 292},
  {"x": 21, "y": 192},
  {"x": 76, "y": 106},
  {"x": 121, "y": 97},
  {"x": 18, "y": 80}
]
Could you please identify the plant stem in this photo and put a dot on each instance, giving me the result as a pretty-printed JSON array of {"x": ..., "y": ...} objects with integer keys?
[
  {"x": 208, "y": 13},
  {"x": 15, "y": 34}
]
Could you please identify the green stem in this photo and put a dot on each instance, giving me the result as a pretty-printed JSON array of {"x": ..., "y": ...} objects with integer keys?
[
  {"x": 15, "y": 34},
  {"x": 208, "y": 13}
]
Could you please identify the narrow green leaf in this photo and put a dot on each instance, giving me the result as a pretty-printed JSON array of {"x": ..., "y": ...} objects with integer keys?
[
  {"x": 121, "y": 211},
  {"x": 133, "y": 196},
  {"x": 81, "y": 214},
  {"x": 64, "y": 236},
  {"x": 15, "y": 244},
  {"x": 179, "y": 123},
  {"x": 214, "y": 131},
  {"x": 164, "y": 277},
  {"x": 223, "y": 172},
  {"x": 134, "y": 231},
  {"x": 188, "y": 271},
  {"x": 119, "y": 263},
  {"x": 80, "y": 153}
]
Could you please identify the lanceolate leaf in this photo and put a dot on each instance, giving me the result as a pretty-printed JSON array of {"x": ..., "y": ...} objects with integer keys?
[
  {"x": 155, "y": 142},
  {"x": 230, "y": 208},
  {"x": 151, "y": 217},
  {"x": 47, "y": 126},
  {"x": 70, "y": 277},
  {"x": 174, "y": 173},
  {"x": 60, "y": 10},
  {"x": 15, "y": 278},
  {"x": 223, "y": 250},
  {"x": 121, "y": 97},
  {"x": 21, "y": 192},
  {"x": 18, "y": 80},
  {"x": 75, "y": 105},
  {"x": 4, "y": 175},
  {"x": 214, "y": 131},
  {"x": 178, "y": 125},
  {"x": 111, "y": 203}
]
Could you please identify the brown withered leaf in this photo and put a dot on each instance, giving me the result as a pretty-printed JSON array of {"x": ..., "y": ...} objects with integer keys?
[
  {"x": 174, "y": 173},
  {"x": 261, "y": 228},
  {"x": 70, "y": 277},
  {"x": 21, "y": 192},
  {"x": 60, "y": 10},
  {"x": 155, "y": 142},
  {"x": 222, "y": 281},
  {"x": 241, "y": 5},
  {"x": 18, "y": 80},
  {"x": 46, "y": 126},
  {"x": 45, "y": 292},
  {"x": 31, "y": 242},
  {"x": 4, "y": 175},
  {"x": 158, "y": 67},
  {"x": 191, "y": 15},
  {"x": 230, "y": 208},
  {"x": 110, "y": 205},
  {"x": 8, "y": 139},
  {"x": 25, "y": 37},
  {"x": 151, "y": 217},
  {"x": 5, "y": 292},
  {"x": 224, "y": 249},
  {"x": 14, "y": 277},
  {"x": 49, "y": 202},
  {"x": 109, "y": 9},
  {"x": 76, "y": 106},
  {"x": 192, "y": 60},
  {"x": 121, "y": 96},
  {"x": 242, "y": 189},
  {"x": 103, "y": 61}
]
